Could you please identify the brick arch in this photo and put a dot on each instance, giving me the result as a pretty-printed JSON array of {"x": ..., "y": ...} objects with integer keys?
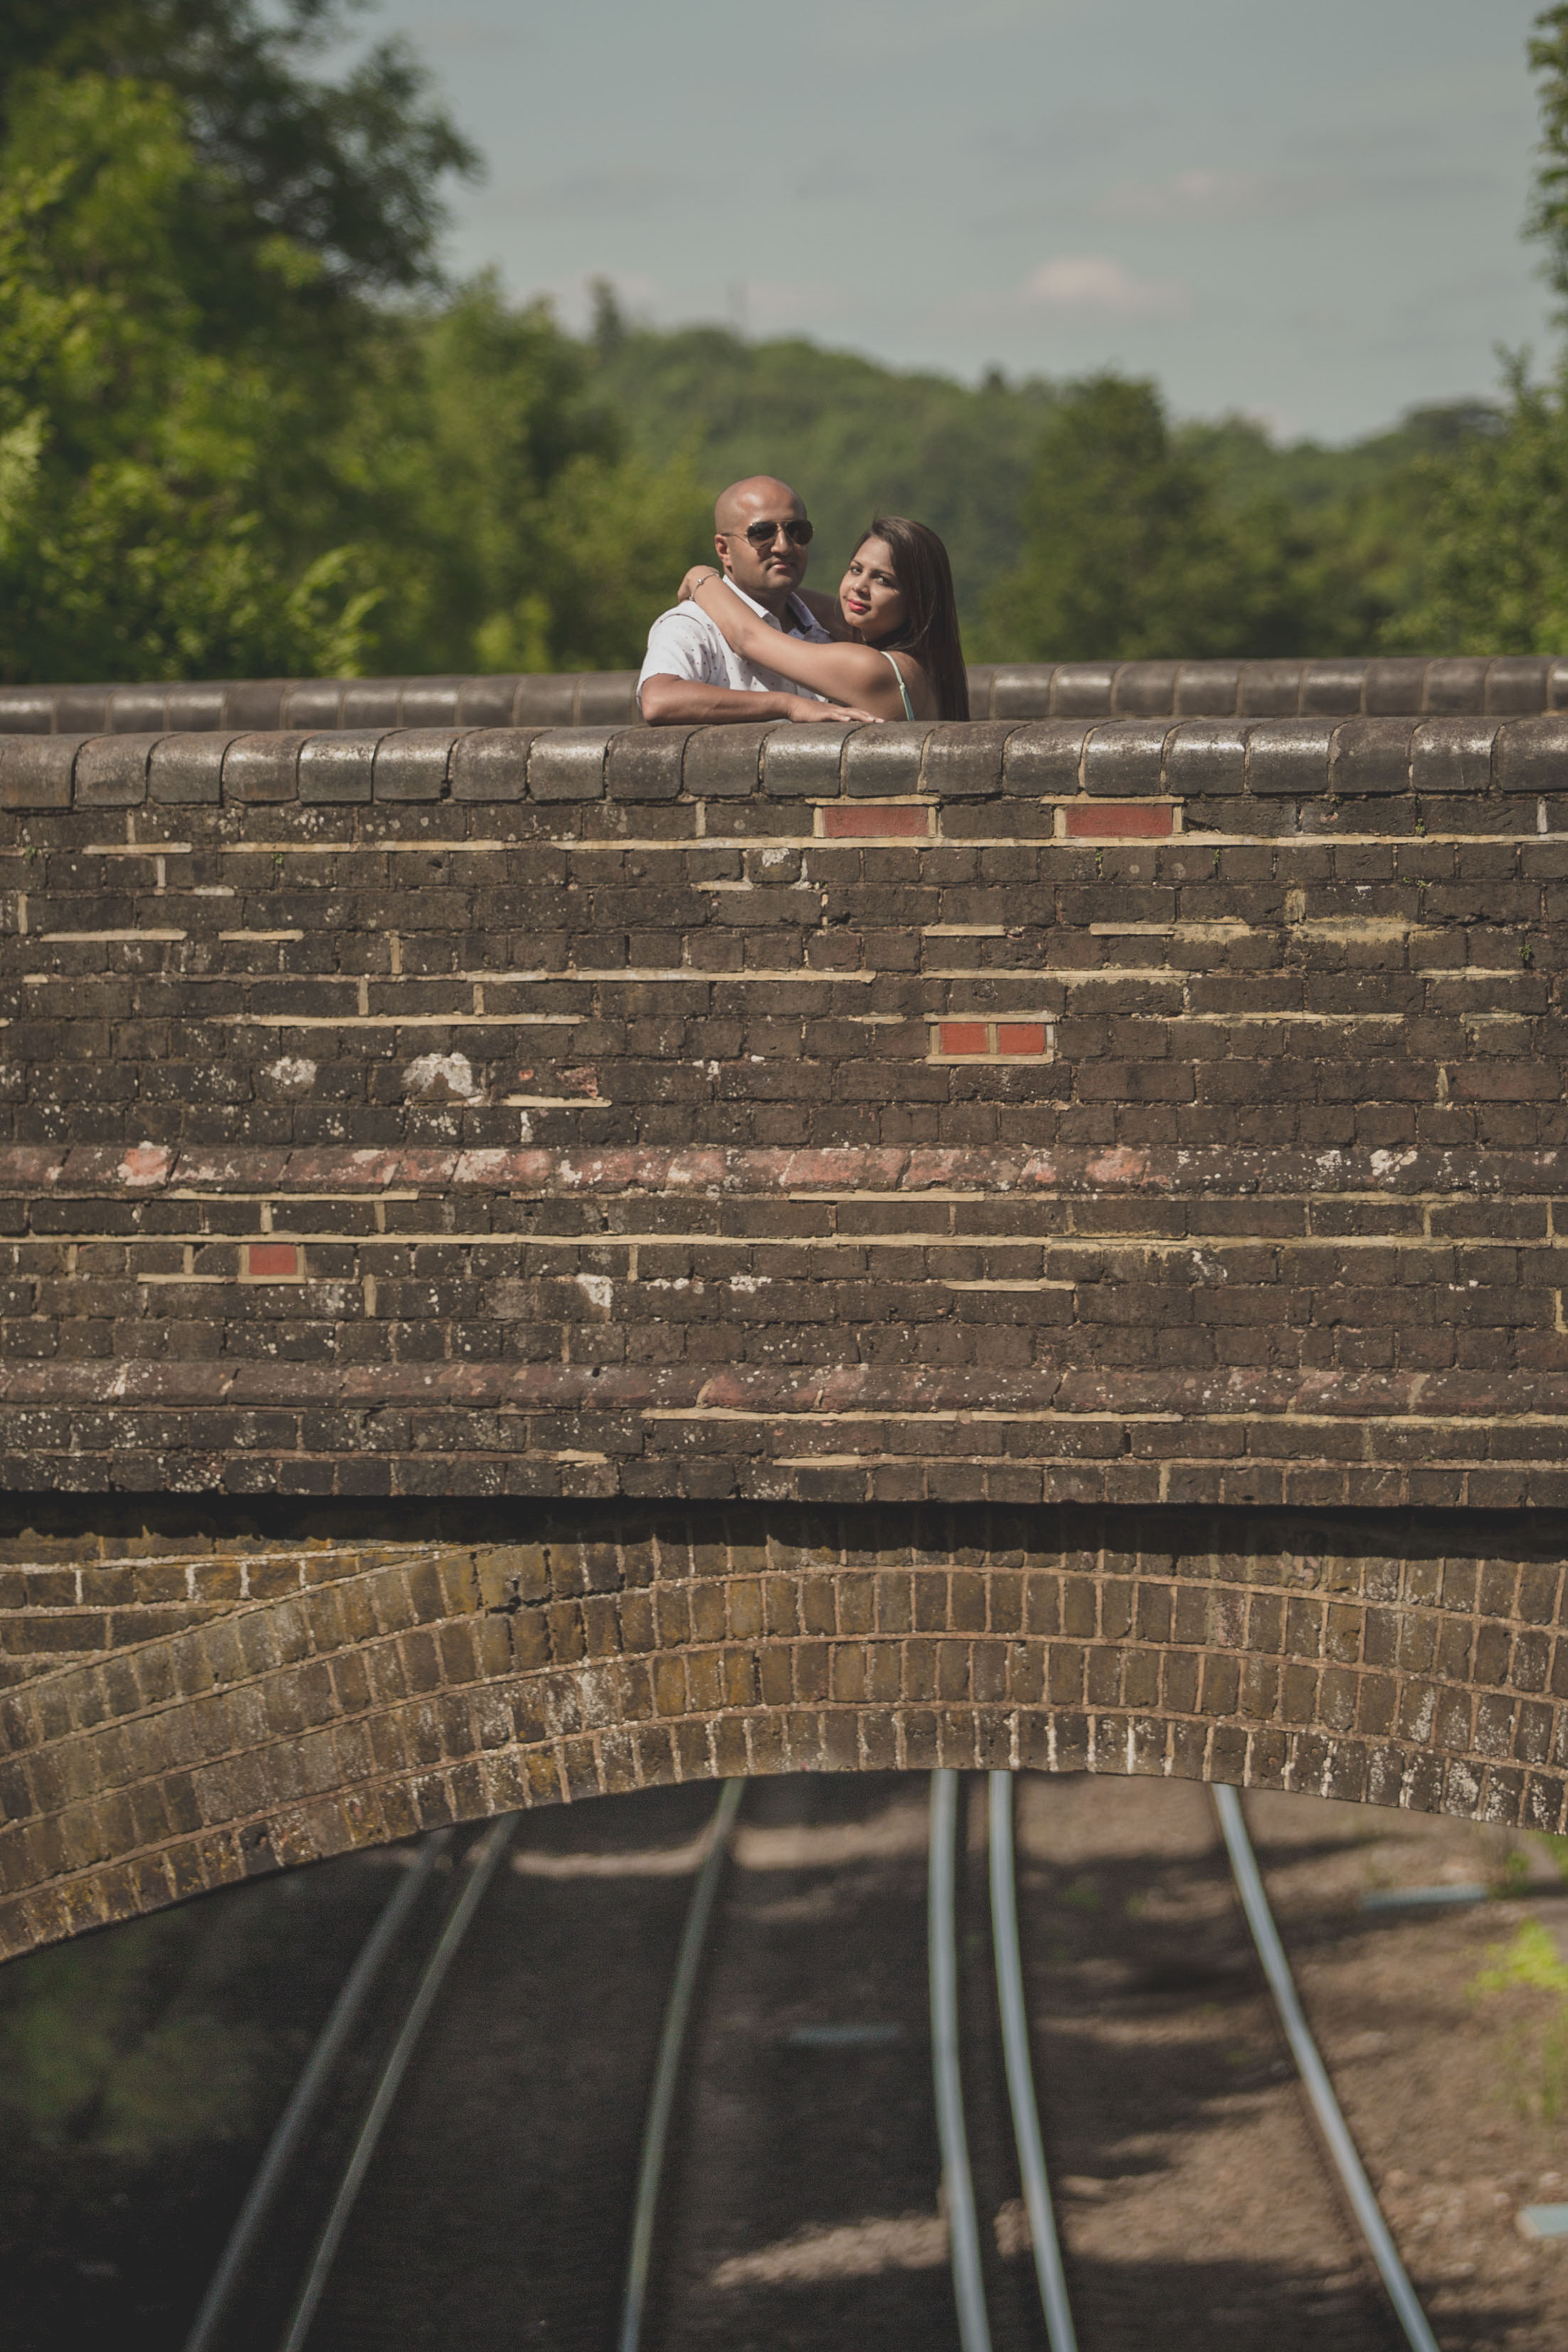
[{"x": 188, "y": 1708}]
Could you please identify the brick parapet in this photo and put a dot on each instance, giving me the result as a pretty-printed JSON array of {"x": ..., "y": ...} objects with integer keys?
[
  {"x": 1241, "y": 772},
  {"x": 182, "y": 1715},
  {"x": 1503, "y": 685},
  {"x": 1122, "y": 1111}
]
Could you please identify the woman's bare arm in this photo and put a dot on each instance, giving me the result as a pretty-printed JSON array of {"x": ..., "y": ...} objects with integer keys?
[
  {"x": 846, "y": 673},
  {"x": 826, "y": 610}
]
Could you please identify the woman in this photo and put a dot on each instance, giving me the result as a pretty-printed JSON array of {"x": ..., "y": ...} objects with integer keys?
[{"x": 902, "y": 658}]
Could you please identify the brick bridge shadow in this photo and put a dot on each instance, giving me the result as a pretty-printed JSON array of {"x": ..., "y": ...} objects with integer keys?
[{"x": 199, "y": 1692}]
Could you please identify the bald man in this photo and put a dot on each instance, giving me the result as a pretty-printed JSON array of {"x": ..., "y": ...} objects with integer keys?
[{"x": 691, "y": 675}]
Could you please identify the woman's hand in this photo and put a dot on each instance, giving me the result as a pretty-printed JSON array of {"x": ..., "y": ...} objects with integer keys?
[
  {"x": 804, "y": 710},
  {"x": 697, "y": 573}
]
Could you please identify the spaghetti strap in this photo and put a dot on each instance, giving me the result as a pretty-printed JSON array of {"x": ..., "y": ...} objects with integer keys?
[{"x": 903, "y": 690}]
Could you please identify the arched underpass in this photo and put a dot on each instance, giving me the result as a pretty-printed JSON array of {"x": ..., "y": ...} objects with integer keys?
[{"x": 263, "y": 1700}]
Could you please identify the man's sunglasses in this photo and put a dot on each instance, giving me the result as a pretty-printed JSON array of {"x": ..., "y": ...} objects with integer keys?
[{"x": 799, "y": 532}]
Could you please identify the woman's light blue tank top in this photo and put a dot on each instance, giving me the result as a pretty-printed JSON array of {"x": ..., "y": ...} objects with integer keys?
[{"x": 903, "y": 690}]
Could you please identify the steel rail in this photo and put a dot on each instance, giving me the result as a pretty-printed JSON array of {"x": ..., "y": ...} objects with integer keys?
[
  {"x": 1043, "y": 2238},
  {"x": 1314, "y": 2075},
  {"x": 667, "y": 2067},
  {"x": 481, "y": 1862},
  {"x": 306, "y": 2096},
  {"x": 958, "y": 2182}
]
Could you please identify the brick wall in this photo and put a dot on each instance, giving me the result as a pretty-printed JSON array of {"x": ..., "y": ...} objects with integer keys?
[
  {"x": 1129, "y": 1112},
  {"x": 1034, "y": 1147}
]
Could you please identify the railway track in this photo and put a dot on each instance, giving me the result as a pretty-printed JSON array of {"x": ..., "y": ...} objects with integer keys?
[{"x": 842, "y": 2114}]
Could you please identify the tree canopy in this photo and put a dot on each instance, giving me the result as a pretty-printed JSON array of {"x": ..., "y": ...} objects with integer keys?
[
  {"x": 222, "y": 446},
  {"x": 350, "y": 170},
  {"x": 246, "y": 426}
]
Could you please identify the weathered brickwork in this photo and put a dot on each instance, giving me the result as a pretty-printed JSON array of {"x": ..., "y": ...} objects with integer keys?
[
  {"x": 580, "y": 1112},
  {"x": 231, "y": 1708},
  {"x": 1108, "y": 1168},
  {"x": 1510, "y": 686}
]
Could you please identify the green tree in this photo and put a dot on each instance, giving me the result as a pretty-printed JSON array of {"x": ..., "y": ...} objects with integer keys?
[
  {"x": 503, "y": 513},
  {"x": 1132, "y": 550},
  {"x": 349, "y": 170},
  {"x": 1491, "y": 573},
  {"x": 853, "y": 436},
  {"x": 133, "y": 459},
  {"x": 195, "y": 235},
  {"x": 224, "y": 450},
  {"x": 1549, "y": 211}
]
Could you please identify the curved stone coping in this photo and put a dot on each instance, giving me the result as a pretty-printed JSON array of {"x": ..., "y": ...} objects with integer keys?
[
  {"x": 1265, "y": 760},
  {"x": 352, "y": 1694},
  {"x": 1501, "y": 686}
]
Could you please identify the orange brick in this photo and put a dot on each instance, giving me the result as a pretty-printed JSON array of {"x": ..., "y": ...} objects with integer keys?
[
  {"x": 1119, "y": 821},
  {"x": 965, "y": 1037},
  {"x": 272, "y": 1261},
  {"x": 1020, "y": 1036},
  {"x": 875, "y": 823}
]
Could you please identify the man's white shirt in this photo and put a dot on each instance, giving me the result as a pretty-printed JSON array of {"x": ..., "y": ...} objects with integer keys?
[{"x": 684, "y": 642}]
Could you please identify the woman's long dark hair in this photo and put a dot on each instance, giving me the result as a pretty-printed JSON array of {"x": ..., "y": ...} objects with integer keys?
[{"x": 930, "y": 630}]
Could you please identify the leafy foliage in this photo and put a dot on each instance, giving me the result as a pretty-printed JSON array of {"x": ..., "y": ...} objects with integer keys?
[
  {"x": 502, "y": 513},
  {"x": 1549, "y": 214},
  {"x": 853, "y": 438},
  {"x": 1132, "y": 550},
  {"x": 95, "y": 2054},
  {"x": 134, "y": 462},
  {"x": 1493, "y": 574},
  {"x": 1300, "y": 549},
  {"x": 285, "y": 476},
  {"x": 350, "y": 171},
  {"x": 246, "y": 427},
  {"x": 1532, "y": 1970}
]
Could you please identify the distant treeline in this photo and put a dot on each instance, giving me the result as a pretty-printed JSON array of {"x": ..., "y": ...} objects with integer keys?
[
  {"x": 1081, "y": 524},
  {"x": 246, "y": 426}
]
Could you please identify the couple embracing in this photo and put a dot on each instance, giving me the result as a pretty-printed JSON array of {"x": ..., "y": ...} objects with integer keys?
[{"x": 747, "y": 642}]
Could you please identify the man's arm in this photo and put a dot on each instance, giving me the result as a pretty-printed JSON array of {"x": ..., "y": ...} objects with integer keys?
[{"x": 687, "y": 702}]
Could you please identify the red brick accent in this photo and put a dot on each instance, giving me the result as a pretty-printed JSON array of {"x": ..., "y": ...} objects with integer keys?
[
  {"x": 1020, "y": 1036},
  {"x": 866, "y": 821},
  {"x": 1119, "y": 821},
  {"x": 272, "y": 1261},
  {"x": 965, "y": 1037}
]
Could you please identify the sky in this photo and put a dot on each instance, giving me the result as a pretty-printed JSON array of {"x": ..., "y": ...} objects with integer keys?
[{"x": 1307, "y": 213}]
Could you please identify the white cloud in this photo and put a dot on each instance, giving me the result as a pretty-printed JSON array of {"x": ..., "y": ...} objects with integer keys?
[{"x": 1096, "y": 283}]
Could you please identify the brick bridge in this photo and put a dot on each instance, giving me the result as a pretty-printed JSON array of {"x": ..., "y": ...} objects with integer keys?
[{"x": 544, "y": 1257}]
